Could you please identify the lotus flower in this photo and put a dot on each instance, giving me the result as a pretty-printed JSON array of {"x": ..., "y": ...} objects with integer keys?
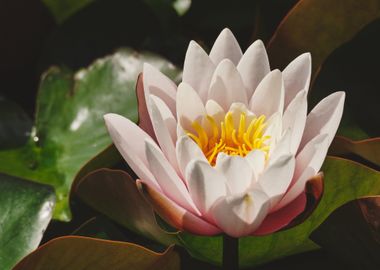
[{"x": 231, "y": 149}]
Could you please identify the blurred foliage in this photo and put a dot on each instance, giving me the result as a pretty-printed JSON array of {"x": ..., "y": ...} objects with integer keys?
[{"x": 37, "y": 34}]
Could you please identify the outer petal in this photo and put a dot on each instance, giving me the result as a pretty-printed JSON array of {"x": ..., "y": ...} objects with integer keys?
[
  {"x": 238, "y": 172},
  {"x": 226, "y": 46},
  {"x": 241, "y": 215},
  {"x": 165, "y": 126},
  {"x": 324, "y": 118},
  {"x": 129, "y": 139},
  {"x": 174, "y": 214},
  {"x": 296, "y": 211},
  {"x": 308, "y": 163},
  {"x": 206, "y": 185},
  {"x": 198, "y": 69},
  {"x": 186, "y": 151},
  {"x": 269, "y": 95},
  {"x": 297, "y": 77},
  {"x": 254, "y": 66},
  {"x": 276, "y": 179},
  {"x": 170, "y": 183},
  {"x": 227, "y": 86},
  {"x": 189, "y": 106},
  {"x": 144, "y": 118},
  {"x": 156, "y": 83},
  {"x": 295, "y": 119}
]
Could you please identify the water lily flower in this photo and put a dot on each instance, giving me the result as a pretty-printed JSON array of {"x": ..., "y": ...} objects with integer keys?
[{"x": 231, "y": 148}]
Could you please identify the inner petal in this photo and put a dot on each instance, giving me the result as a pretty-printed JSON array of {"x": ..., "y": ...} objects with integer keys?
[{"x": 236, "y": 134}]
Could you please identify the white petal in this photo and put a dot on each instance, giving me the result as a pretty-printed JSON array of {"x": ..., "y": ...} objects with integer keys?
[
  {"x": 215, "y": 110},
  {"x": 256, "y": 159},
  {"x": 158, "y": 84},
  {"x": 274, "y": 130},
  {"x": 297, "y": 77},
  {"x": 225, "y": 46},
  {"x": 324, "y": 118},
  {"x": 237, "y": 171},
  {"x": 164, "y": 125},
  {"x": 308, "y": 164},
  {"x": 227, "y": 86},
  {"x": 189, "y": 106},
  {"x": 198, "y": 69},
  {"x": 241, "y": 215},
  {"x": 254, "y": 66},
  {"x": 295, "y": 119},
  {"x": 169, "y": 181},
  {"x": 269, "y": 95},
  {"x": 186, "y": 151},
  {"x": 206, "y": 185},
  {"x": 129, "y": 139},
  {"x": 277, "y": 177},
  {"x": 282, "y": 147}
]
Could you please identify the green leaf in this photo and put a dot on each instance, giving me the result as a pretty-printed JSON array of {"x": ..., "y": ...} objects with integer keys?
[
  {"x": 114, "y": 193},
  {"x": 352, "y": 233},
  {"x": 25, "y": 211},
  {"x": 319, "y": 27},
  {"x": 345, "y": 180},
  {"x": 69, "y": 127},
  {"x": 63, "y": 9},
  {"x": 75, "y": 252}
]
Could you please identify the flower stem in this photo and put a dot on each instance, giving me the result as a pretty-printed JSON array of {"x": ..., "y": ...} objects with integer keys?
[{"x": 230, "y": 253}]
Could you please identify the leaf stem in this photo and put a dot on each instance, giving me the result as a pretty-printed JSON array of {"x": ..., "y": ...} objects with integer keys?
[{"x": 230, "y": 253}]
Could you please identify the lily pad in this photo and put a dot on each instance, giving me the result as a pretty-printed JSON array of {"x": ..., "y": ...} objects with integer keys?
[
  {"x": 25, "y": 211},
  {"x": 114, "y": 193},
  {"x": 344, "y": 181},
  {"x": 69, "y": 129},
  {"x": 319, "y": 26},
  {"x": 76, "y": 252}
]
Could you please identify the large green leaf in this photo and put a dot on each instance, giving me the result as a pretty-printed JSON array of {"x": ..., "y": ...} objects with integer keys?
[
  {"x": 75, "y": 252},
  {"x": 319, "y": 26},
  {"x": 69, "y": 128},
  {"x": 25, "y": 211},
  {"x": 344, "y": 181}
]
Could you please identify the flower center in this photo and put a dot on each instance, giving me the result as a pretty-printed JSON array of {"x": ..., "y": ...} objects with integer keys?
[{"x": 231, "y": 139}]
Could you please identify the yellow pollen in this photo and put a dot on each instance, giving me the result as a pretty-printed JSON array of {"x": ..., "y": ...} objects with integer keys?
[{"x": 230, "y": 139}]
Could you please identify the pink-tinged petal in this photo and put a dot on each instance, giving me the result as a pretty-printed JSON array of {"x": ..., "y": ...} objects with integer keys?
[
  {"x": 186, "y": 151},
  {"x": 295, "y": 119},
  {"x": 256, "y": 159},
  {"x": 269, "y": 95},
  {"x": 308, "y": 164},
  {"x": 174, "y": 214},
  {"x": 324, "y": 118},
  {"x": 277, "y": 177},
  {"x": 296, "y": 211},
  {"x": 171, "y": 184},
  {"x": 206, "y": 185},
  {"x": 156, "y": 83},
  {"x": 198, "y": 69},
  {"x": 225, "y": 46},
  {"x": 165, "y": 126},
  {"x": 238, "y": 172},
  {"x": 274, "y": 130},
  {"x": 144, "y": 118},
  {"x": 281, "y": 218},
  {"x": 227, "y": 86},
  {"x": 129, "y": 139},
  {"x": 190, "y": 107},
  {"x": 297, "y": 77},
  {"x": 253, "y": 66},
  {"x": 241, "y": 215}
]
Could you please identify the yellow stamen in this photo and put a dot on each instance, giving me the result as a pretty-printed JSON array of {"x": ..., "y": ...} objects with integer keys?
[{"x": 231, "y": 140}]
